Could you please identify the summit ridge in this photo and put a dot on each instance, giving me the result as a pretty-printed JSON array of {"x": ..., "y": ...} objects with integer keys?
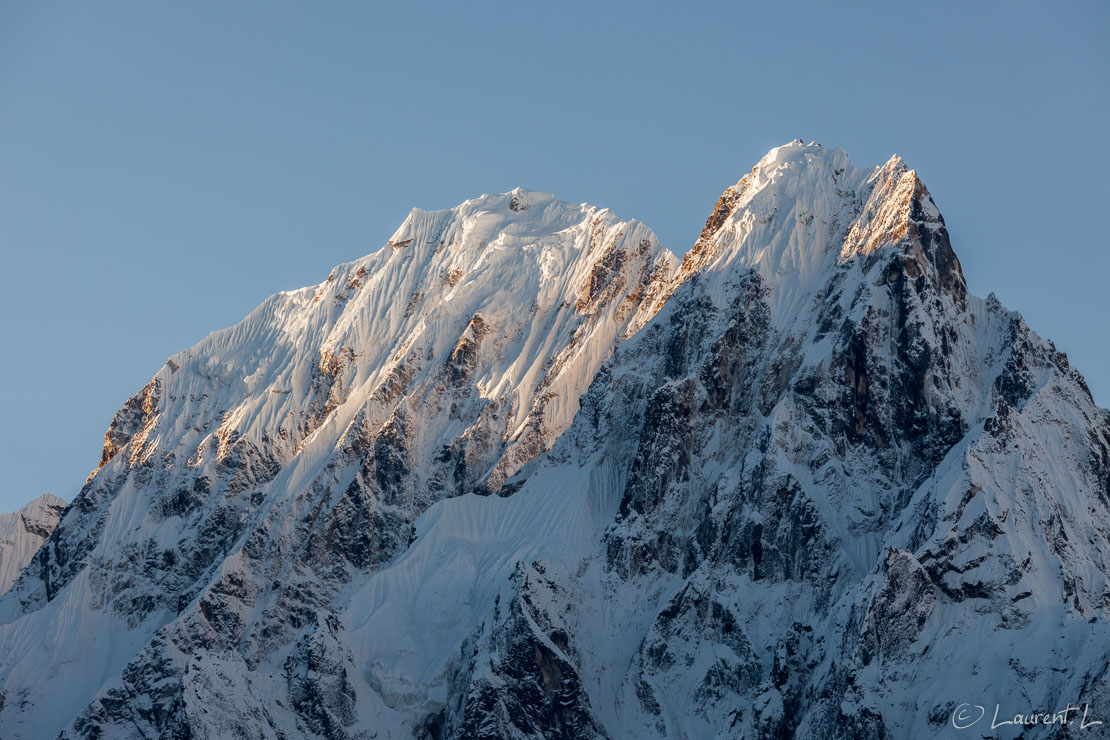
[{"x": 523, "y": 473}]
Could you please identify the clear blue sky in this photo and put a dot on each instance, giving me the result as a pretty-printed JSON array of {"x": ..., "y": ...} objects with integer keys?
[{"x": 166, "y": 166}]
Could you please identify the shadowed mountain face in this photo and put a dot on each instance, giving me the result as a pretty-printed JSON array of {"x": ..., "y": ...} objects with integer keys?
[
  {"x": 521, "y": 473},
  {"x": 22, "y": 533}
]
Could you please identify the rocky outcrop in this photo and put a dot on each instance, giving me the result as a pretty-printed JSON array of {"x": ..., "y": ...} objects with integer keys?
[
  {"x": 520, "y": 678},
  {"x": 774, "y": 492},
  {"x": 261, "y": 473}
]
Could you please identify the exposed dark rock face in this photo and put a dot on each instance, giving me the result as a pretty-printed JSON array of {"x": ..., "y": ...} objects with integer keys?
[
  {"x": 259, "y": 475},
  {"x": 900, "y": 610},
  {"x": 754, "y": 464},
  {"x": 464, "y": 357},
  {"x": 319, "y": 690},
  {"x": 773, "y": 494},
  {"x": 135, "y": 416},
  {"x": 520, "y": 680},
  {"x": 163, "y": 715}
]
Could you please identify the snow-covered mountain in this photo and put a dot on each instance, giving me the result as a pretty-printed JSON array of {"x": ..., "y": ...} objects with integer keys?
[
  {"x": 522, "y": 474},
  {"x": 22, "y": 533}
]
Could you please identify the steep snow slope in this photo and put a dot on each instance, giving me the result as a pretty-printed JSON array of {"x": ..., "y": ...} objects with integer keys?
[
  {"x": 859, "y": 495},
  {"x": 278, "y": 460},
  {"x": 851, "y": 495},
  {"x": 816, "y": 489},
  {"x": 22, "y": 532},
  {"x": 825, "y": 491}
]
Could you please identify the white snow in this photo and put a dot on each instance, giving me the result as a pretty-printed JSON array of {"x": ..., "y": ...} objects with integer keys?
[
  {"x": 18, "y": 544},
  {"x": 811, "y": 225}
]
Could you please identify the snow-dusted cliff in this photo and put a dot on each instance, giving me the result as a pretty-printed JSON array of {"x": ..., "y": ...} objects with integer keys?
[
  {"x": 22, "y": 533},
  {"x": 803, "y": 483}
]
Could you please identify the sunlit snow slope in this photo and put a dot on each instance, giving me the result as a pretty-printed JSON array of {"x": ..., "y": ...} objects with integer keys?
[
  {"x": 263, "y": 470},
  {"x": 521, "y": 474}
]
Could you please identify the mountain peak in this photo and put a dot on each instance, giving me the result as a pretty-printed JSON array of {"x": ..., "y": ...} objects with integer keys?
[
  {"x": 804, "y": 210},
  {"x": 520, "y": 218},
  {"x": 886, "y": 217},
  {"x": 793, "y": 156},
  {"x": 44, "y": 501},
  {"x": 22, "y": 532},
  {"x": 808, "y": 455}
]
